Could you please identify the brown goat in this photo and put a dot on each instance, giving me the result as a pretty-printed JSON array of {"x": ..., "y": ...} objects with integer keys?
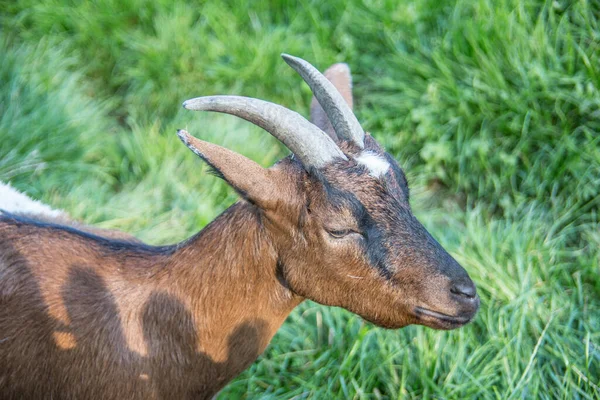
[{"x": 84, "y": 316}]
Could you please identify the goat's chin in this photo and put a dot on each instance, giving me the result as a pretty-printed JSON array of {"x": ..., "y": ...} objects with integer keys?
[
  {"x": 441, "y": 321},
  {"x": 424, "y": 317}
]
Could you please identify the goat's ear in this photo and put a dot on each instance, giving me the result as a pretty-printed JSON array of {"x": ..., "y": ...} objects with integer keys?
[
  {"x": 253, "y": 182},
  {"x": 340, "y": 76}
]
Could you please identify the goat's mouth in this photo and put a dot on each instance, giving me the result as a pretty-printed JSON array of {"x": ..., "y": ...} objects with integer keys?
[{"x": 438, "y": 320}]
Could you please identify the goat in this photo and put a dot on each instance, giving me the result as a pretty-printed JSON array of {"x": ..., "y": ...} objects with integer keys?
[{"x": 84, "y": 316}]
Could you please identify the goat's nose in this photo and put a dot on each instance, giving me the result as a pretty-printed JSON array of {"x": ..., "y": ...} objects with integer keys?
[{"x": 464, "y": 289}]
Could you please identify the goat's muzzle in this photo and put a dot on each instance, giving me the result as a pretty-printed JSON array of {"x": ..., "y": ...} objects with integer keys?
[{"x": 462, "y": 299}]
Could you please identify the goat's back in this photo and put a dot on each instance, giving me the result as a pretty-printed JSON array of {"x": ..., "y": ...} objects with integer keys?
[{"x": 73, "y": 321}]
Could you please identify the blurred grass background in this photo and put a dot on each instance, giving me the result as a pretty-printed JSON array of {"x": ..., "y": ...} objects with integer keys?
[{"x": 491, "y": 106}]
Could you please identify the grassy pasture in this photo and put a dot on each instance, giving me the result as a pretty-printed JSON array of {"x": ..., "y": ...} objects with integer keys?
[{"x": 491, "y": 106}]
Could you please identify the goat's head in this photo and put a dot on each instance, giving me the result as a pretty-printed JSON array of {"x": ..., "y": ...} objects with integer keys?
[{"x": 338, "y": 214}]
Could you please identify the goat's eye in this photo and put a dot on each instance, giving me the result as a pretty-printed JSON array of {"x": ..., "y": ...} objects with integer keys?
[{"x": 340, "y": 233}]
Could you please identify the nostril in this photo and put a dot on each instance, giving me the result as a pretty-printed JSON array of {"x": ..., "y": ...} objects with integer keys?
[{"x": 465, "y": 289}]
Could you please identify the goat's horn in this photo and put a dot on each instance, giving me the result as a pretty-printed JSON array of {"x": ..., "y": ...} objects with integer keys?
[
  {"x": 309, "y": 143},
  {"x": 342, "y": 118}
]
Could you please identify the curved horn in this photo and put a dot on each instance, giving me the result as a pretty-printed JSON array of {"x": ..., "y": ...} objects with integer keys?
[
  {"x": 310, "y": 144},
  {"x": 341, "y": 116}
]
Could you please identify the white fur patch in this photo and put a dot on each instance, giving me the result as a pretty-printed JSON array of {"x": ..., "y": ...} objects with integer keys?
[
  {"x": 15, "y": 202},
  {"x": 376, "y": 164}
]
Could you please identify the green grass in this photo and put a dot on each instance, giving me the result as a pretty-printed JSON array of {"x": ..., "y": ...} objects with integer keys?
[{"x": 491, "y": 106}]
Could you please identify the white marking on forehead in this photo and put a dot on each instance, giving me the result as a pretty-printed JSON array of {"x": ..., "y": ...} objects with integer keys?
[
  {"x": 376, "y": 164},
  {"x": 15, "y": 202}
]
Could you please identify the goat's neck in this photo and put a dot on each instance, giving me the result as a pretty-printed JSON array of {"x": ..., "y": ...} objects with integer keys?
[{"x": 229, "y": 275}]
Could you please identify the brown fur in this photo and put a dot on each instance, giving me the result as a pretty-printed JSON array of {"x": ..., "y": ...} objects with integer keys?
[
  {"x": 64, "y": 220},
  {"x": 85, "y": 316},
  {"x": 101, "y": 321}
]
